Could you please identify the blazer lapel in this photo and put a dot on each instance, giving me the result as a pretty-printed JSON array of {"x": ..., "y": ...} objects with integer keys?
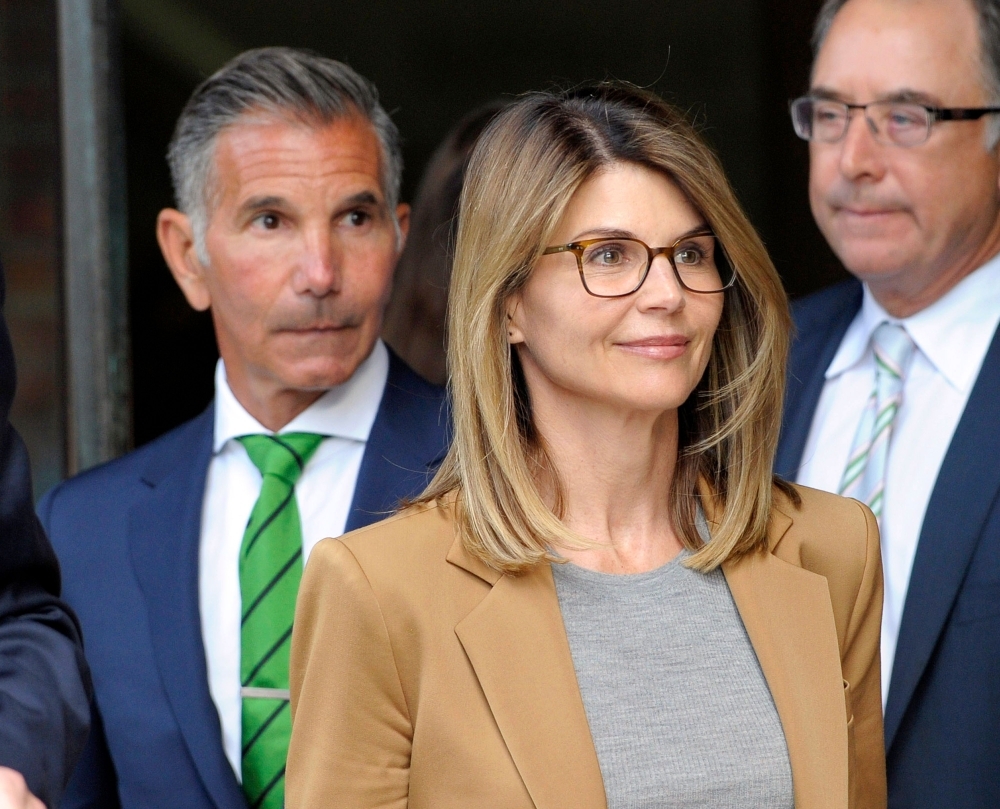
[
  {"x": 407, "y": 442},
  {"x": 813, "y": 350},
  {"x": 967, "y": 487},
  {"x": 789, "y": 618},
  {"x": 164, "y": 534},
  {"x": 517, "y": 645}
]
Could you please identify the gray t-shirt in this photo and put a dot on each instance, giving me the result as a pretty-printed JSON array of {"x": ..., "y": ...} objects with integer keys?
[{"x": 679, "y": 710}]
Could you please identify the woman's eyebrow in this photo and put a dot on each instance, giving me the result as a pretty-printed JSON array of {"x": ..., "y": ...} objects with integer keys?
[{"x": 620, "y": 233}]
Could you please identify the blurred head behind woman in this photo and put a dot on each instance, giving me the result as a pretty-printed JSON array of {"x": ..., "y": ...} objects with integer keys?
[
  {"x": 523, "y": 174},
  {"x": 415, "y": 317}
]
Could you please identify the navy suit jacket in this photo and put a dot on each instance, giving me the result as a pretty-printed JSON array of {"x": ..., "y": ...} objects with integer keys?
[
  {"x": 43, "y": 677},
  {"x": 127, "y": 535},
  {"x": 942, "y": 719}
]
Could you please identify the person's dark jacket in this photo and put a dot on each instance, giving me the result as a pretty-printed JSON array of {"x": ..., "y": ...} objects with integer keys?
[{"x": 44, "y": 685}]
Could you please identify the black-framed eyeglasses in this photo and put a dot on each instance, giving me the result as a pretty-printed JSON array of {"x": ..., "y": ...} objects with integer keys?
[
  {"x": 897, "y": 123},
  {"x": 614, "y": 268}
]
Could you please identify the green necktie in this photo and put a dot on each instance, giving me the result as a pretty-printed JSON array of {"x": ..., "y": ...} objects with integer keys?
[{"x": 270, "y": 570}]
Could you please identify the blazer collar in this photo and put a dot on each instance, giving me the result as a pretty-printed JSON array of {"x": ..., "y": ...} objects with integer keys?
[
  {"x": 164, "y": 532},
  {"x": 789, "y": 618},
  {"x": 820, "y": 326},
  {"x": 517, "y": 644},
  {"x": 967, "y": 488},
  {"x": 407, "y": 442},
  {"x": 517, "y": 632}
]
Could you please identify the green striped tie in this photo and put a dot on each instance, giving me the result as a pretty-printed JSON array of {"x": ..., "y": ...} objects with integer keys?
[{"x": 270, "y": 570}]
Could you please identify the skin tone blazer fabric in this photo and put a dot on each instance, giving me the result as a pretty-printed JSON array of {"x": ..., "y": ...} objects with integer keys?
[{"x": 420, "y": 677}]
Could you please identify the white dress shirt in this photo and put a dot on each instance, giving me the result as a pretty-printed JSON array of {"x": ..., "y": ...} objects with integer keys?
[
  {"x": 324, "y": 493},
  {"x": 952, "y": 336}
]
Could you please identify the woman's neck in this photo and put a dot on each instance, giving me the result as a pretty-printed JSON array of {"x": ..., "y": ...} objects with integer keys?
[{"x": 615, "y": 472}]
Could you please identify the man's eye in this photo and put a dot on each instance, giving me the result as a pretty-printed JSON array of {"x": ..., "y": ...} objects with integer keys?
[
  {"x": 359, "y": 218},
  {"x": 269, "y": 221}
]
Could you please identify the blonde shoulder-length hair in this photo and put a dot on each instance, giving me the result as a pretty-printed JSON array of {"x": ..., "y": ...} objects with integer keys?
[{"x": 524, "y": 170}]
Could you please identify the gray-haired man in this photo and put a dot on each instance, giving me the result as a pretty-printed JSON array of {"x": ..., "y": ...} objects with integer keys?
[
  {"x": 183, "y": 558},
  {"x": 894, "y": 376}
]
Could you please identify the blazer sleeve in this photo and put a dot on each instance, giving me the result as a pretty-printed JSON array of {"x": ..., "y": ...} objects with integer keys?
[
  {"x": 862, "y": 671},
  {"x": 351, "y": 729}
]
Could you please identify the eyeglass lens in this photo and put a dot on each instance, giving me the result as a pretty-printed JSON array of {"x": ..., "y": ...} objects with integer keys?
[
  {"x": 889, "y": 121},
  {"x": 618, "y": 266}
]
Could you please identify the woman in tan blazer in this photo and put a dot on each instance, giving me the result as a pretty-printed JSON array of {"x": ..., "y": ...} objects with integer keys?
[{"x": 604, "y": 599}]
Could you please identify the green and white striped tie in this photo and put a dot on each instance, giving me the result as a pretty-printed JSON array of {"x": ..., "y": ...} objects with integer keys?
[
  {"x": 864, "y": 477},
  {"x": 270, "y": 571}
]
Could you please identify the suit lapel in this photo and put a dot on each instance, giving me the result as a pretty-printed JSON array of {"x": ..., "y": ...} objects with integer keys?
[
  {"x": 517, "y": 645},
  {"x": 967, "y": 487},
  {"x": 813, "y": 350},
  {"x": 164, "y": 534},
  {"x": 407, "y": 442},
  {"x": 787, "y": 614}
]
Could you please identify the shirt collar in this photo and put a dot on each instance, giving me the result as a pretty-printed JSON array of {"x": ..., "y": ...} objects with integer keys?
[
  {"x": 345, "y": 411},
  {"x": 953, "y": 333}
]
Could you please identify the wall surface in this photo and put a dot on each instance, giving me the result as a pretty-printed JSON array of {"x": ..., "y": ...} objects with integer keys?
[{"x": 29, "y": 227}]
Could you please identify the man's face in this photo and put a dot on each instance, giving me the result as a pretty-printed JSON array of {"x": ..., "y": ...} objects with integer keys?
[
  {"x": 909, "y": 221},
  {"x": 301, "y": 248}
]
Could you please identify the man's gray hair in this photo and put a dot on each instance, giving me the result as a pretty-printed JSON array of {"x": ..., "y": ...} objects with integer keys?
[
  {"x": 988, "y": 12},
  {"x": 282, "y": 82}
]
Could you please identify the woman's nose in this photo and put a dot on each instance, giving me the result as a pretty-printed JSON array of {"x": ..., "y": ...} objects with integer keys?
[{"x": 661, "y": 289}]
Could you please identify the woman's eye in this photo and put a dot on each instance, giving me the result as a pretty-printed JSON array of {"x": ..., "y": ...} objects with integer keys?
[
  {"x": 606, "y": 256},
  {"x": 688, "y": 256},
  {"x": 610, "y": 256}
]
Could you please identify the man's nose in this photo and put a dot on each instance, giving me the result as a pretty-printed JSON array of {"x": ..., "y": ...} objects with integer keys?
[
  {"x": 320, "y": 265},
  {"x": 860, "y": 154}
]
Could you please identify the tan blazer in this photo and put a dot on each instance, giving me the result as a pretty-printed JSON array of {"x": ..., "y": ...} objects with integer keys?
[{"x": 420, "y": 677}]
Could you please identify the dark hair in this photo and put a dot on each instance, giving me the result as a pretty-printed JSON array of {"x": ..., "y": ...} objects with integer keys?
[{"x": 415, "y": 317}]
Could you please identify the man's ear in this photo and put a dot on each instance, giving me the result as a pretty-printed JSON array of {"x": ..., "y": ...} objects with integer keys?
[
  {"x": 176, "y": 238},
  {"x": 403, "y": 218}
]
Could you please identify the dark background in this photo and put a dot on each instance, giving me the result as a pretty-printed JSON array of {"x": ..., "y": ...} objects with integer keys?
[{"x": 732, "y": 64}]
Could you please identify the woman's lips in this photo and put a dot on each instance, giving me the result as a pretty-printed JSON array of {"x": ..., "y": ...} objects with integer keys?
[
  {"x": 869, "y": 211},
  {"x": 661, "y": 347}
]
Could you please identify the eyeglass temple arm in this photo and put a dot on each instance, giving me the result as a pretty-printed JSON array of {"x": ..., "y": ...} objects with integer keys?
[{"x": 971, "y": 114}]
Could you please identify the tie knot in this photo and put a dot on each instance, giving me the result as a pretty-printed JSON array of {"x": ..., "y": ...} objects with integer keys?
[
  {"x": 283, "y": 456},
  {"x": 893, "y": 349}
]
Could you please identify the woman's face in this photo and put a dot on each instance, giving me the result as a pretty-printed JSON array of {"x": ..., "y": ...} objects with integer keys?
[{"x": 644, "y": 352}]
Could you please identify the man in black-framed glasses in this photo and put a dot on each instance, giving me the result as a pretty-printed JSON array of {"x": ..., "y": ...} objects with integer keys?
[
  {"x": 893, "y": 121},
  {"x": 895, "y": 374}
]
